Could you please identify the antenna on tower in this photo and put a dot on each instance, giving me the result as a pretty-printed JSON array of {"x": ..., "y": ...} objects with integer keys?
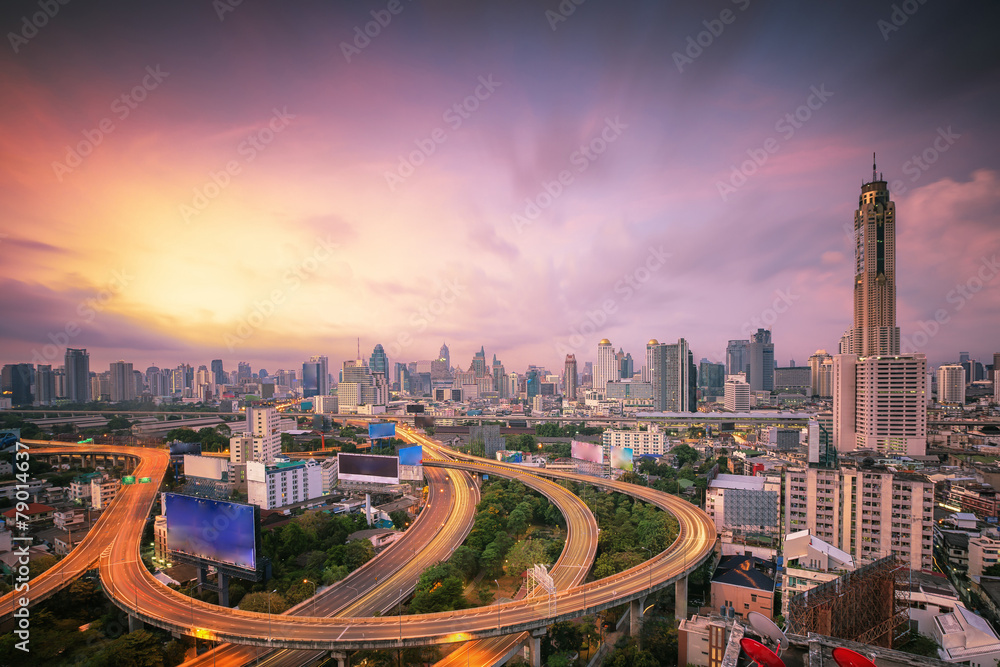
[
  {"x": 873, "y": 167},
  {"x": 359, "y": 347}
]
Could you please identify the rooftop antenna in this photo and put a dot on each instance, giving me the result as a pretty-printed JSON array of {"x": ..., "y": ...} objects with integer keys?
[
  {"x": 359, "y": 347},
  {"x": 873, "y": 167}
]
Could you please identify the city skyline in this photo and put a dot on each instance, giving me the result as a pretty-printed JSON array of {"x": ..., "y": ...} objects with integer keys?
[{"x": 314, "y": 236}]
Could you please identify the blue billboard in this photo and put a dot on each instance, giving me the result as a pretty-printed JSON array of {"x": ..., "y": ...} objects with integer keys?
[
  {"x": 411, "y": 456},
  {"x": 215, "y": 530},
  {"x": 384, "y": 430}
]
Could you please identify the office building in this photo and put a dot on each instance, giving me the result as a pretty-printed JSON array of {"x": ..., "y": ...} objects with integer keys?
[
  {"x": 478, "y": 366},
  {"x": 122, "y": 382},
  {"x": 951, "y": 384},
  {"x": 77, "y": 375},
  {"x": 711, "y": 378},
  {"x": 379, "y": 361},
  {"x": 315, "y": 377},
  {"x": 218, "y": 372},
  {"x": 760, "y": 361},
  {"x": 444, "y": 355},
  {"x": 671, "y": 376},
  {"x": 16, "y": 383},
  {"x": 607, "y": 368},
  {"x": 737, "y": 394},
  {"x": 793, "y": 380},
  {"x": 736, "y": 357}
]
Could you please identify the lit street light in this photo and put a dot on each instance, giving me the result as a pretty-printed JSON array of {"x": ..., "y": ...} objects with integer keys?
[
  {"x": 306, "y": 581},
  {"x": 498, "y": 602}
]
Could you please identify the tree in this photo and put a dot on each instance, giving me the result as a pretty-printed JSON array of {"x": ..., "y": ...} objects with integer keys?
[
  {"x": 685, "y": 454},
  {"x": 439, "y": 588},
  {"x": 258, "y": 602},
  {"x": 118, "y": 424},
  {"x": 358, "y": 553},
  {"x": 465, "y": 561},
  {"x": 400, "y": 519},
  {"x": 134, "y": 649},
  {"x": 38, "y": 565},
  {"x": 182, "y": 434},
  {"x": 992, "y": 570}
]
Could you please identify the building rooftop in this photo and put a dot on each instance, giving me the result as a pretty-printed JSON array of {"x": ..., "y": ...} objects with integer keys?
[
  {"x": 745, "y": 571},
  {"x": 725, "y": 481}
]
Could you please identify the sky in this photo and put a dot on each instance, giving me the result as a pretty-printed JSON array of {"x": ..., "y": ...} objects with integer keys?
[{"x": 263, "y": 182}]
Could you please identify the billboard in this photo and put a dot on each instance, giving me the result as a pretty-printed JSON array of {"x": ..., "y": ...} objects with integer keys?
[
  {"x": 513, "y": 457},
  {"x": 9, "y": 437},
  {"x": 411, "y": 456},
  {"x": 420, "y": 421},
  {"x": 382, "y": 430},
  {"x": 621, "y": 457},
  {"x": 414, "y": 409},
  {"x": 177, "y": 448},
  {"x": 209, "y": 467},
  {"x": 215, "y": 530},
  {"x": 587, "y": 451},
  {"x": 369, "y": 468}
]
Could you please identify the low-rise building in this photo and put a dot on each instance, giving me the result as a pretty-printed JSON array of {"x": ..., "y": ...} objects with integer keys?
[
  {"x": 68, "y": 518},
  {"x": 35, "y": 512},
  {"x": 283, "y": 483},
  {"x": 103, "y": 491},
  {"x": 984, "y": 550},
  {"x": 744, "y": 583},
  {"x": 966, "y": 637},
  {"x": 652, "y": 441}
]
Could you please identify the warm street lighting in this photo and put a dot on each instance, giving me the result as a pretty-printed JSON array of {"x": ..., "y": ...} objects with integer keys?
[{"x": 306, "y": 581}]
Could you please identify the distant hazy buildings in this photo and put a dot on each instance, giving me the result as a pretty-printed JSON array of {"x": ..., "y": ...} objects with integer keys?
[
  {"x": 736, "y": 357},
  {"x": 737, "y": 394},
  {"x": 16, "y": 383},
  {"x": 607, "y": 368},
  {"x": 671, "y": 373},
  {"x": 760, "y": 361},
  {"x": 122, "y": 382},
  {"x": 821, "y": 374}
]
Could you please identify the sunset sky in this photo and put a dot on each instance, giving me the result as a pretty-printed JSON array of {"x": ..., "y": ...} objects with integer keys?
[{"x": 182, "y": 183}]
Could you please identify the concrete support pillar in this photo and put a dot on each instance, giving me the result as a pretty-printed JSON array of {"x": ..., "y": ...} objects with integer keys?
[
  {"x": 134, "y": 623},
  {"x": 635, "y": 608},
  {"x": 340, "y": 657},
  {"x": 681, "y": 599},
  {"x": 535, "y": 647},
  {"x": 223, "y": 589}
]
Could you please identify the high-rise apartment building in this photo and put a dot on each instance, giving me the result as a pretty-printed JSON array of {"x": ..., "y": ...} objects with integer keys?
[
  {"x": 45, "y": 385},
  {"x": 77, "y": 375},
  {"x": 815, "y": 369},
  {"x": 569, "y": 378},
  {"x": 868, "y": 512},
  {"x": 669, "y": 368},
  {"x": 760, "y": 361},
  {"x": 951, "y": 384},
  {"x": 879, "y": 395},
  {"x": 122, "y": 382},
  {"x": 607, "y": 368},
  {"x": 262, "y": 427}
]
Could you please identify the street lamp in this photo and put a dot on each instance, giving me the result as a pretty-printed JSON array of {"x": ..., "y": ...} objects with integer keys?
[
  {"x": 498, "y": 602},
  {"x": 269, "y": 614},
  {"x": 306, "y": 581}
]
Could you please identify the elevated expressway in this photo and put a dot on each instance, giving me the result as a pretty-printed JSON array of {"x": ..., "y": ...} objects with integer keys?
[{"x": 134, "y": 589}]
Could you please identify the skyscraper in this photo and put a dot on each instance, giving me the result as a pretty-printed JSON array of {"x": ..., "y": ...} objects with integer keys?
[
  {"x": 479, "y": 363},
  {"x": 379, "y": 362},
  {"x": 17, "y": 381},
  {"x": 569, "y": 378},
  {"x": 218, "y": 372},
  {"x": 607, "y": 368},
  {"x": 316, "y": 376},
  {"x": 736, "y": 357},
  {"x": 122, "y": 382},
  {"x": 445, "y": 355},
  {"x": 499, "y": 373},
  {"x": 875, "y": 331},
  {"x": 669, "y": 368},
  {"x": 760, "y": 361},
  {"x": 45, "y": 385},
  {"x": 77, "y": 375},
  {"x": 879, "y": 395},
  {"x": 262, "y": 425}
]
